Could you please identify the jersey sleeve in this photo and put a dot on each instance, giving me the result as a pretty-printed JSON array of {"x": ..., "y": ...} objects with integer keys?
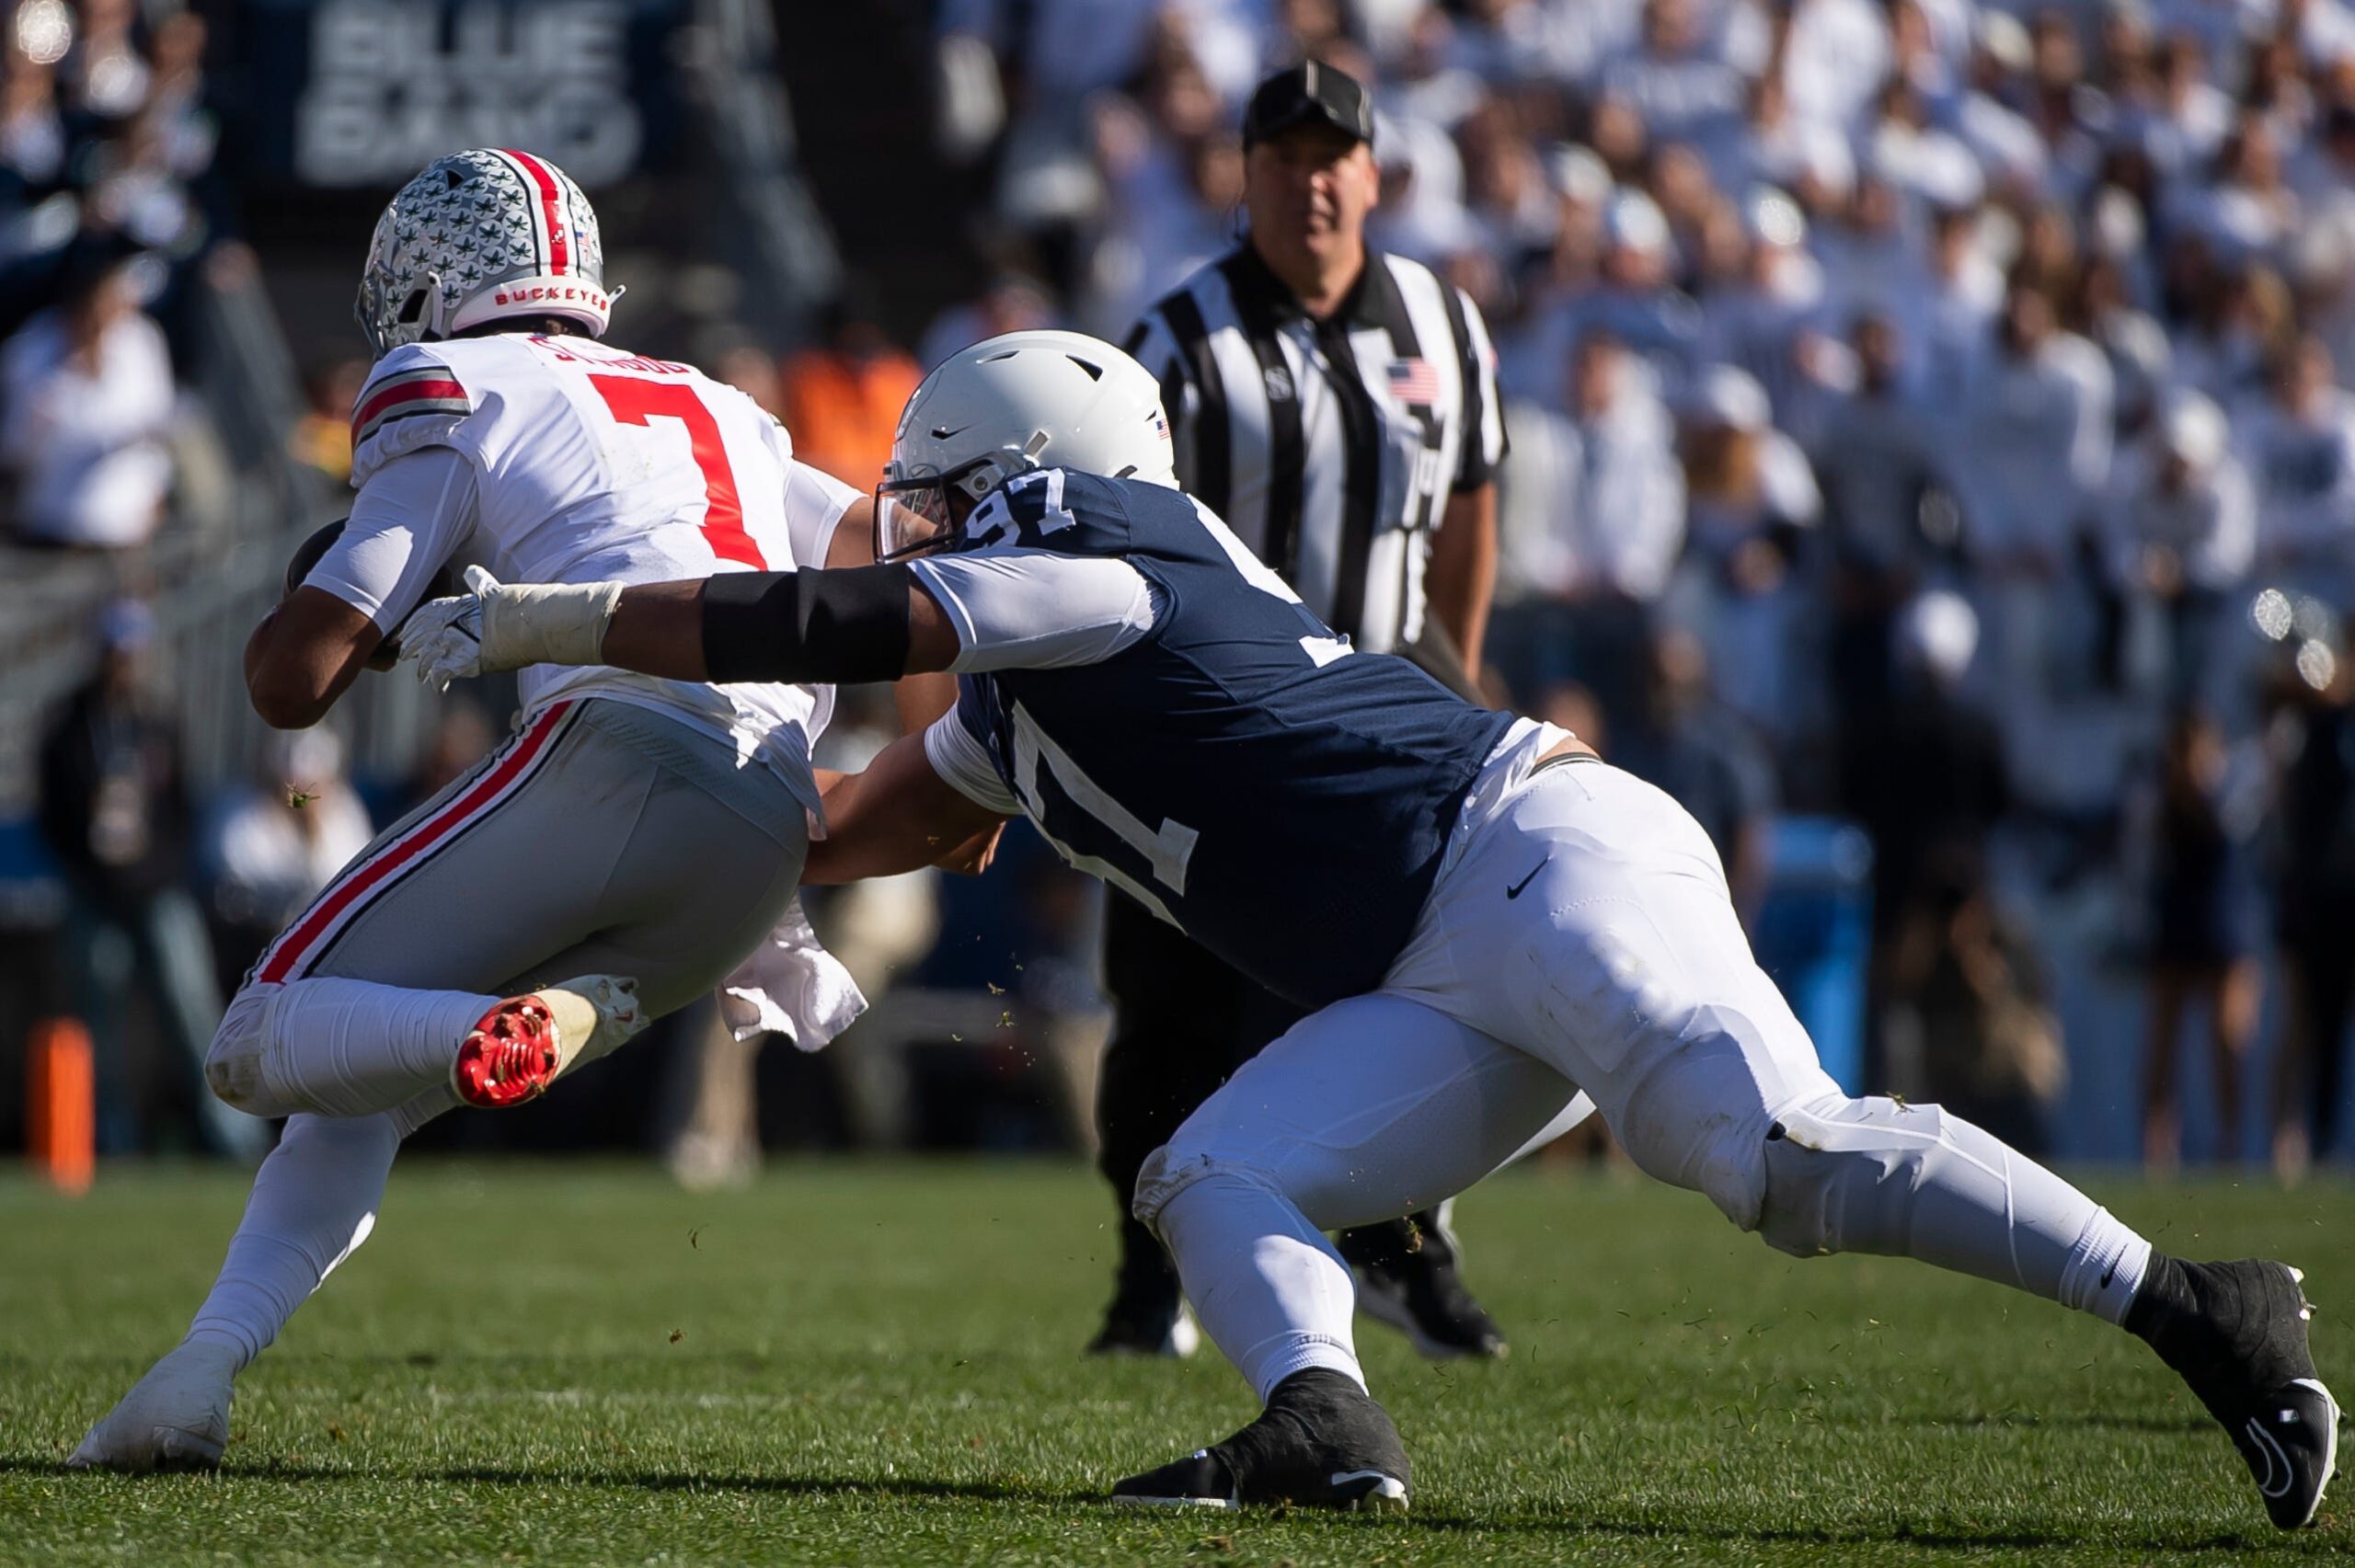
[
  {"x": 814, "y": 503},
  {"x": 957, "y": 745},
  {"x": 414, "y": 398},
  {"x": 1484, "y": 443},
  {"x": 1036, "y": 609},
  {"x": 409, "y": 520}
]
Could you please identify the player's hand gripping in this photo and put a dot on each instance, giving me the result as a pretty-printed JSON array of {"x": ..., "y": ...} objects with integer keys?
[{"x": 495, "y": 625}]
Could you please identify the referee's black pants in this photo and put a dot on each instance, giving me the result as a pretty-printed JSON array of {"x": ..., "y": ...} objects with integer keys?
[{"x": 1183, "y": 1022}]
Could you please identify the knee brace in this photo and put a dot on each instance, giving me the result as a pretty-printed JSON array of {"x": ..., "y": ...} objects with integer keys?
[
  {"x": 1842, "y": 1175},
  {"x": 232, "y": 1062}
]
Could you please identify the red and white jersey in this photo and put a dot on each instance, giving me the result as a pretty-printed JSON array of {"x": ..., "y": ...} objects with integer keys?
[{"x": 565, "y": 460}]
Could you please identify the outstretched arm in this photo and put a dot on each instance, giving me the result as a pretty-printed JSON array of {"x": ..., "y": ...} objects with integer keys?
[
  {"x": 1001, "y": 610},
  {"x": 897, "y": 816},
  {"x": 855, "y": 624}
]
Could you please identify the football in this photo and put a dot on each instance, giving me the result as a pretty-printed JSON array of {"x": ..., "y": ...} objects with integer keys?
[{"x": 314, "y": 549}]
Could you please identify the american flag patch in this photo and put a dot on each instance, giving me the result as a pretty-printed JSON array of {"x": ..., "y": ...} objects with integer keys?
[{"x": 1413, "y": 381}]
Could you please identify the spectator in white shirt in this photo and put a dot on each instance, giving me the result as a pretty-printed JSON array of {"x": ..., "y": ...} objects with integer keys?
[
  {"x": 1751, "y": 502},
  {"x": 2182, "y": 530},
  {"x": 1836, "y": 58},
  {"x": 2036, "y": 439},
  {"x": 271, "y": 845},
  {"x": 1766, "y": 324},
  {"x": 1632, "y": 299},
  {"x": 2299, "y": 446},
  {"x": 1877, "y": 462},
  {"x": 1623, "y": 527},
  {"x": 1771, "y": 145},
  {"x": 2009, "y": 148},
  {"x": 2192, "y": 116},
  {"x": 2243, "y": 206},
  {"x": 89, "y": 397},
  {"x": 1682, "y": 86},
  {"x": 1592, "y": 523}
]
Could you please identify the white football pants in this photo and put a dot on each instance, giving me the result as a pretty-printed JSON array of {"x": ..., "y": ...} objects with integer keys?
[{"x": 1580, "y": 935}]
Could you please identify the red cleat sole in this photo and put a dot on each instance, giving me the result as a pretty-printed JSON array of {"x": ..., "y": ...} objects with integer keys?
[{"x": 510, "y": 1058}]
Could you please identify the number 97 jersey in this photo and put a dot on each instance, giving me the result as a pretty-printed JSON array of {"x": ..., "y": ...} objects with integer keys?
[
  {"x": 1236, "y": 769},
  {"x": 584, "y": 462}
]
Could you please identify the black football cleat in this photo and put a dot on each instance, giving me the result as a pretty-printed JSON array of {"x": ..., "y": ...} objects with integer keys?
[
  {"x": 1408, "y": 1276},
  {"x": 1321, "y": 1443},
  {"x": 2236, "y": 1333},
  {"x": 1146, "y": 1317}
]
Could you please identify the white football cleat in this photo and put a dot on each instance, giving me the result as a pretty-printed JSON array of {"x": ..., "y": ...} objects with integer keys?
[{"x": 177, "y": 1417}]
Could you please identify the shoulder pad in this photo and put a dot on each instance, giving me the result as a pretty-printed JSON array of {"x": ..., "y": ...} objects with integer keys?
[{"x": 414, "y": 397}]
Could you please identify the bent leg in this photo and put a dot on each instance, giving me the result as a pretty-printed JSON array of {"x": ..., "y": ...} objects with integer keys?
[
  {"x": 1365, "y": 1110},
  {"x": 1625, "y": 967},
  {"x": 1174, "y": 1025},
  {"x": 314, "y": 1202},
  {"x": 610, "y": 844}
]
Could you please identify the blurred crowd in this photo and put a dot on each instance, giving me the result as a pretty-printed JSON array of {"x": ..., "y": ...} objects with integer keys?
[
  {"x": 104, "y": 144},
  {"x": 1927, "y": 413}
]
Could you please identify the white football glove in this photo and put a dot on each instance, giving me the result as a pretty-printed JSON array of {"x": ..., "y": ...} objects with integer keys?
[{"x": 496, "y": 625}]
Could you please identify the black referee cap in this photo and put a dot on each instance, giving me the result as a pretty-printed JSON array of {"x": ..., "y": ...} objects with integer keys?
[{"x": 1308, "y": 93}]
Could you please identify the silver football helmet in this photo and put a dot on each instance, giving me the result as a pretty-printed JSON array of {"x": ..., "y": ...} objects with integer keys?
[
  {"x": 479, "y": 236},
  {"x": 1023, "y": 401}
]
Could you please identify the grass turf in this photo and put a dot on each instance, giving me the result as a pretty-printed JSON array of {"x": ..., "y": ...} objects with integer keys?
[{"x": 867, "y": 1363}]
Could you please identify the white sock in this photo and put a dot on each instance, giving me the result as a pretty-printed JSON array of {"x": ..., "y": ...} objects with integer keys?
[
  {"x": 2105, "y": 1268},
  {"x": 1264, "y": 1282},
  {"x": 1873, "y": 1175},
  {"x": 314, "y": 1202},
  {"x": 353, "y": 1048}
]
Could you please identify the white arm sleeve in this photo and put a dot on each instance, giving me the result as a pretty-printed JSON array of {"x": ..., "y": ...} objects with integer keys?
[
  {"x": 963, "y": 764},
  {"x": 407, "y": 522},
  {"x": 1036, "y": 609},
  {"x": 814, "y": 503}
]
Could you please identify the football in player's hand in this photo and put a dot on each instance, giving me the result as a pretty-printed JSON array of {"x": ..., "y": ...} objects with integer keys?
[{"x": 308, "y": 555}]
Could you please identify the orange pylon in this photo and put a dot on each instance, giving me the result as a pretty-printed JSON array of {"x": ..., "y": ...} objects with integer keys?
[{"x": 60, "y": 1104}]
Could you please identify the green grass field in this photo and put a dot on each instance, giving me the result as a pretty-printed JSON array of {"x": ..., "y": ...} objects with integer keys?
[{"x": 865, "y": 1363}]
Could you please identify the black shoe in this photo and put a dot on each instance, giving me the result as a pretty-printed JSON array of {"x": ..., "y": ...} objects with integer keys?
[
  {"x": 1321, "y": 1443},
  {"x": 1146, "y": 1319},
  {"x": 1407, "y": 1278},
  {"x": 2236, "y": 1333}
]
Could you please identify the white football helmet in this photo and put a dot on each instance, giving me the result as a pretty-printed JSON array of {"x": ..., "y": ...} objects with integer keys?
[
  {"x": 1023, "y": 401},
  {"x": 479, "y": 236}
]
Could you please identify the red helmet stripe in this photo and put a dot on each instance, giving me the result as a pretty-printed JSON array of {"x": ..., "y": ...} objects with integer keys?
[{"x": 551, "y": 199}]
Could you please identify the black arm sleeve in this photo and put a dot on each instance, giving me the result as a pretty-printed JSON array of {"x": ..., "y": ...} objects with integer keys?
[{"x": 847, "y": 625}]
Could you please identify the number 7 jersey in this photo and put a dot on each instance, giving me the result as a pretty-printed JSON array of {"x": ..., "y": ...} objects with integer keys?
[
  {"x": 589, "y": 463},
  {"x": 1236, "y": 769}
]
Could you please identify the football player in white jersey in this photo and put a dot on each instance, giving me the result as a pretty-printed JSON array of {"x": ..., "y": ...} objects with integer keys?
[{"x": 646, "y": 835}]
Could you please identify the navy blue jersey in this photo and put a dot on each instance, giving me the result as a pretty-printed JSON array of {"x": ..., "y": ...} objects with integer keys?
[{"x": 1237, "y": 769}]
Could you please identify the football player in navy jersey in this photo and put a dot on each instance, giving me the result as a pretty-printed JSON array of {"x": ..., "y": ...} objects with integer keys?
[{"x": 1488, "y": 919}]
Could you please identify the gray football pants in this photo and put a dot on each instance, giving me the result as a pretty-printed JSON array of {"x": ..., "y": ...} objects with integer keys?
[{"x": 599, "y": 839}]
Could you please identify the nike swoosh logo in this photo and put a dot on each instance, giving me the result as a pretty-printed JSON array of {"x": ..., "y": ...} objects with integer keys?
[
  {"x": 942, "y": 432},
  {"x": 2277, "y": 1463},
  {"x": 1514, "y": 891},
  {"x": 2107, "y": 1275}
]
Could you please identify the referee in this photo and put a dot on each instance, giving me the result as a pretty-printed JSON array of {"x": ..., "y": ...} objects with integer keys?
[{"x": 1338, "y": 407}]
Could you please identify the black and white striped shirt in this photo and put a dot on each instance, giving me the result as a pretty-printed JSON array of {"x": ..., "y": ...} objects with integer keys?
[{"x": 1330, "y": 447}]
